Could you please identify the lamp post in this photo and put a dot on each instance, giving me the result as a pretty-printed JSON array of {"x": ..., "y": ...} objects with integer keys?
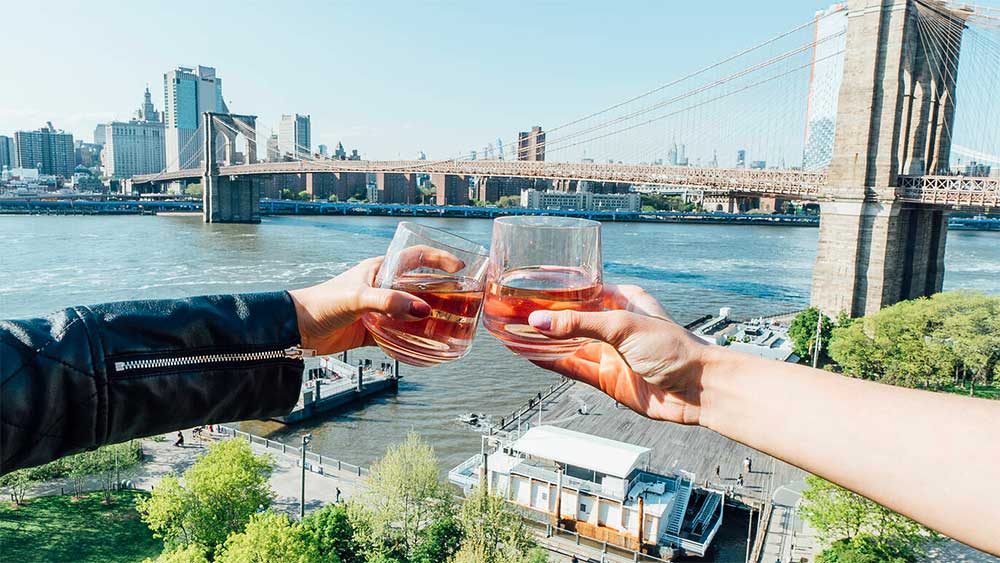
[{"x": 302, "y": 500}]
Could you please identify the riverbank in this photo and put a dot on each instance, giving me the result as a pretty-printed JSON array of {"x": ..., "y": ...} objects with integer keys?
[{"x": 309, "y": 208}]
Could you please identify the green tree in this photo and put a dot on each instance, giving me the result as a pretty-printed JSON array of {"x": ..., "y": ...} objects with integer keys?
[
  {"x": 193, "y": 190},
  {"x": 509, "y": 201},
  {"x": 191, "y": 553},
  {"x": 216, "y": 497},
  {"x": 332, "y": 198},
  {"x": 428, "y": 193},
  {"x": 860, "y": 549},
  {"x": 17, "y": 484},
  {"x": 287, "y": 194},
  {"x": 493, "y": 532},
  {"x": 333, "y": 533},
  {"x": 304, "y": 196},
  {"x": 403, "y": 496},
  {"x": 270, "y": 537},
  {"x": 802, "y": 331},
  {"x": 439, "y": 542},
  {"x": 952, "y": 337},
  {"x": 866, "y": 526}
]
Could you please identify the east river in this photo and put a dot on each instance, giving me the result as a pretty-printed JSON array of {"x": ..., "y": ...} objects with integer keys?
[{"x": 47, "y": 263}]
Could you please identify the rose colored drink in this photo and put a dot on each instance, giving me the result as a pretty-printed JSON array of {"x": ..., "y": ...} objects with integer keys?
[
  {"x": 444, "y": 335},
  {"x": 511, "y": 298}
]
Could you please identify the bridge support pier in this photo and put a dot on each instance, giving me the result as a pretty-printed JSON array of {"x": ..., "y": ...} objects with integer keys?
[
  {"x": 228, "y": 199},
  {"x": 873, "y": 254},
  {"x": 874, "y": 249}
]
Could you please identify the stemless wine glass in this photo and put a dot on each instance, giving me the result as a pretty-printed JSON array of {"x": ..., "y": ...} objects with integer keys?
[
  {"x": 551, "y": 263},
  {"x": 445, "y": 270}
]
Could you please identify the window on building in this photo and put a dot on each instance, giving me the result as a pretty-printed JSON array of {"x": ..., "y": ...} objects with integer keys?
[{"x": 583, "y": 507}]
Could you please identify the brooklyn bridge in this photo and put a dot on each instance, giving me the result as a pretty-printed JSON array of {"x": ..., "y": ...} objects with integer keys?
[{"x": 885, "y": 185}]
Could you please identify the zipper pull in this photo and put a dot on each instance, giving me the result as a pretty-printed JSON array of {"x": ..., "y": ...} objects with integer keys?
[{"x": 297, "y": 352}]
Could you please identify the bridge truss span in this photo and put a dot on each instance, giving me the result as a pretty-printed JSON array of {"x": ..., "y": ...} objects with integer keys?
[
  {"x": 955, "y": 191},
  {"x": 790, "y": 183}
]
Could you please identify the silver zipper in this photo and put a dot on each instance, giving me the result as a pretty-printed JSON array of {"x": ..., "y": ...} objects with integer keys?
[{"x": 293, "y": 353}]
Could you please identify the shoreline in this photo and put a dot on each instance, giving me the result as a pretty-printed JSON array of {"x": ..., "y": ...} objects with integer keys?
[{"x": 280, "y": 208}]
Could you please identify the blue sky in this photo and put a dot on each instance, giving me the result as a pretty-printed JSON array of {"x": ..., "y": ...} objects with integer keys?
[{"x": 388, "y": 78}]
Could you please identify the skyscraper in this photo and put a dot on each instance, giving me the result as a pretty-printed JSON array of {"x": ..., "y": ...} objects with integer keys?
[
  {"x": 187, "y": 93},
  {"x": 824, "y": 86},
  {"x": 741, "y": 158},
  {"x": 323, "y": 151},
  {"x": 295, "y": 135},
  {"x": 7, "y": 156},
  {"x": 46, "y": 149},
  {"x": 101, "y": 134},
  {"x": 146, "y": 111},
  {"x": 136, "y": 146},
  {"x": 273, "y": 154},
  {"x": 531, "y": 144}
]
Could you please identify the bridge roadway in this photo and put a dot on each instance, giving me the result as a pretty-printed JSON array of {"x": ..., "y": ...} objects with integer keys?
[{"x": 964, "y": 191}]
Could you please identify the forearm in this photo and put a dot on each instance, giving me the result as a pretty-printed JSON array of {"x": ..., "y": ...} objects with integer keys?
[
  {"x": 932, "y": 457},
  {"x": 88, "y": 376}
]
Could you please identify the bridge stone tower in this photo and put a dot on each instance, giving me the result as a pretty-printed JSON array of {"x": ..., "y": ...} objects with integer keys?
[
  {"x": 895, "y": 113},
  {"x": 229, "y": 199}
]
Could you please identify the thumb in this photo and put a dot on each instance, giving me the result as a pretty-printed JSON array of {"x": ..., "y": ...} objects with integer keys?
[
  {"x": 611, "y": 326},
  {"x": 396, "y": 304}
]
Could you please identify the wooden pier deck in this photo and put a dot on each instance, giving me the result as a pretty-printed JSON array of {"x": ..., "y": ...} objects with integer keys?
[
  {"x": 339, "y": 388},
  {"x": 675, "y": 446}
]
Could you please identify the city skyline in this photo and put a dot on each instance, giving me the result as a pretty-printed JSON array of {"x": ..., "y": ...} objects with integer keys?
[{"x": 394, "y": 114}]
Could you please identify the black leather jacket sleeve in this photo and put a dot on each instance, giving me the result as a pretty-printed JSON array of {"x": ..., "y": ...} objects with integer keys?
[{"x": 88, "y": 376}]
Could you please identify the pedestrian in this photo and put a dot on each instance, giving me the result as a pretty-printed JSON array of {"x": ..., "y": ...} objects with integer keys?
[
  {"x": 180, "y": 440},
  {"x": 746, "y": 464},
  {"x": 211, "y": 428},
  {"x": 574, "y": 560},
  {"x": 739, "y": 480},
  {"x": 718, "y": 471},
  {"x": 338, "y": 495}
]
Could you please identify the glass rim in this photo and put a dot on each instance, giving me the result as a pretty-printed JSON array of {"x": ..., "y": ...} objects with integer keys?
[
  {"x": 416, "y": 228},
  {"x": 576, "y": 222}
]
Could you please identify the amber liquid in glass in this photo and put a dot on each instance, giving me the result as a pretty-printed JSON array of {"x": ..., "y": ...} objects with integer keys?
[
  {"x": 443, "y": 336},
  {"x": 510, "y": 299}
]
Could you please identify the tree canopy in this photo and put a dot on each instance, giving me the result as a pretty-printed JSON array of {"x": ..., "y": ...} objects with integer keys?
[
  {"x": 802, "y": 331},
  {"x": 270, "y": 537},
  {"x": 866, "y": 531},
  {"x": 927, "y": 343},
  {"x": 402, "y": 497},
  {"x": 215, "y": 497},
  {"x": 493, "y": 532}
]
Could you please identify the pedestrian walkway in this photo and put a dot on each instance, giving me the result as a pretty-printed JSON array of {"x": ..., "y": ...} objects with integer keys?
[
  {"x": 788, "y": 537},
  {"x": 162, "y": 457}
]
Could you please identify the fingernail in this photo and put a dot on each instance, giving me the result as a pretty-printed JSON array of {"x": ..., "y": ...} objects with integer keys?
[
  {"x": 542, "y": 320},
  {"x": 420, "y": 309}
]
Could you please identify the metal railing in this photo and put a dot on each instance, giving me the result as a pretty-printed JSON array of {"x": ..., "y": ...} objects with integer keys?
[
  {"x": 533, "y": 404},
  {"x": 319, "y": 463}
]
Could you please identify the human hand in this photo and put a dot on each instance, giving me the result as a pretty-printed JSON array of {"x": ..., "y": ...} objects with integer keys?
[
  {"x": 641, "y": 358},
  {"x": 329, "y": 314}
]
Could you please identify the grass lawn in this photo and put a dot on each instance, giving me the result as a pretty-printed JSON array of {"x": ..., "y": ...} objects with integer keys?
[
  {"x": 982, "y": 391},
  {"x": 56, "y": 529}
]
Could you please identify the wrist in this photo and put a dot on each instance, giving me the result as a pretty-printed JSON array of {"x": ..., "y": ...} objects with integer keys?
[
  {"x": 718, "y": 374},
  {"x": 302, "y": 316}
]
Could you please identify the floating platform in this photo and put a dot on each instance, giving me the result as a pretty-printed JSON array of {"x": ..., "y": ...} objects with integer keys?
[{"x": 329, "y": 384}]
